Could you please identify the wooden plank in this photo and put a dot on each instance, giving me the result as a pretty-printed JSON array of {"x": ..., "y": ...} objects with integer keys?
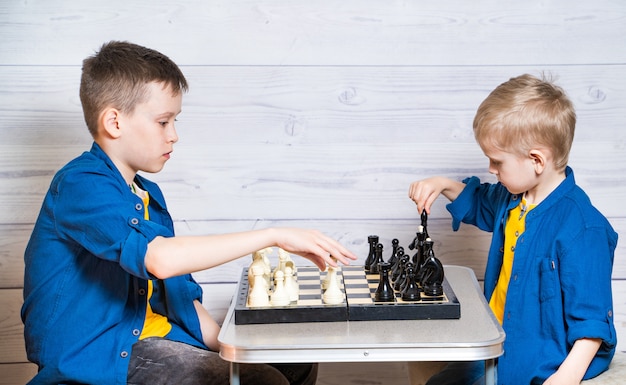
[
  {"x": 12, "y": 348},
  {"x": 13, "y": 239},
  {"x": 302, "y": 105},
  {"x": 356, "y": 32},
  {"x": 17, "y": 373},
  {"x": 282, "y": 182}
]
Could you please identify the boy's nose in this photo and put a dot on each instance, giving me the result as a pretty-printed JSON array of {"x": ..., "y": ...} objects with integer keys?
[{"x": 173, "y": 135}]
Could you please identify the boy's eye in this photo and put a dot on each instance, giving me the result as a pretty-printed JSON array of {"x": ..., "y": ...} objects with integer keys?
[{"x": 164, "y": 123}]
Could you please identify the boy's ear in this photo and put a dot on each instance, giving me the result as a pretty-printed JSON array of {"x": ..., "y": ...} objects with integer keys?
[
  {"x": 539, "y": 159},
  {"x": 109, "y": 121}
]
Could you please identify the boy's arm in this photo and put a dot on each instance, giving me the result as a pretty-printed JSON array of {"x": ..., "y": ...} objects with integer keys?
[
  {"x": 174, "y": 256},
  {"x": 210, "y": 329},
  {"x": 424, "y": 192},
  {"x": 576, "y": 363}
]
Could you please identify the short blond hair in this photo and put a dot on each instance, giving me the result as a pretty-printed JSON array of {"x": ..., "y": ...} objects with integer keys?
[
  {"x": 524, "y": 113},
  {"x": 117, "y": 76}
]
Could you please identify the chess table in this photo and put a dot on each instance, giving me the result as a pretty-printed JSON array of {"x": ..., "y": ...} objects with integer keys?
[{"x": 475, "y": 336}]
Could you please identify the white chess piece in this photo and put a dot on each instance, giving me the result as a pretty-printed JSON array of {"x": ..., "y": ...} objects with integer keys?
[
  {"x": 279, "y": 297},
  {"x": 330, "y": 272},
  {"x": 333, "y": 294},
  {"x": 291, "y": 285},
  {"x": 260, "y": 258},
  {"x": 286, "y": 257},
  {"x": 282, "y": 260},
  {"x": 257, "y": 295},
  {"x": 257, "y": 260}
]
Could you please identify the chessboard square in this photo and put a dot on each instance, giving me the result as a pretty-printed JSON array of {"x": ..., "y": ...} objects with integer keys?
[
  {"x": 309, "y": 302},
  {"x": 352, "y": 295},
  {"x": 307, "y": 278},
  {"x": 353, "y": 273},
  {"x": 316, "y": 286},
  {"x": 359, "y": 290},
  {"x": 304, "y": 293},
  {"x": 356, "y": 284},
  {"x": 308, "y": 274},
  {"x": 360, "y": 301}
]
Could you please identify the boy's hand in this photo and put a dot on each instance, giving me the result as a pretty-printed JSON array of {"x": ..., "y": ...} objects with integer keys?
[
  {"x": 314, "y": 246},
  {"x": 425, "y": 191}
]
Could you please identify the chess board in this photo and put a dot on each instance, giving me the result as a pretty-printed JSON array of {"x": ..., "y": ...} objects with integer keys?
[{"x": 359, "y": 305}]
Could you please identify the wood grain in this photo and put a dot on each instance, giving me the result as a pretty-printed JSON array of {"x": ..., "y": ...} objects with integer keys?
[{"x": 354, "y": 32}]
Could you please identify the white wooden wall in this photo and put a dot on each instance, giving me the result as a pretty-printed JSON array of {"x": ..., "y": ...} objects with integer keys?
[{"x": 307, "y": 113}]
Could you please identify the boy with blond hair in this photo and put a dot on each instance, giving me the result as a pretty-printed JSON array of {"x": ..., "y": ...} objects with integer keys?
[
  {"x": 108, "y": 292},
  {"x": 548, "y": 273}
]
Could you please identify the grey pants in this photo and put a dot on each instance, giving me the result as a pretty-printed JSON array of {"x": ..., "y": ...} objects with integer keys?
[{"x": 157, "y": 361}]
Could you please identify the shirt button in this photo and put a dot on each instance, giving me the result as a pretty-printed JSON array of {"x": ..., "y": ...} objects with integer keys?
[
  {"x": 124, "y": 354},
  {"x": 134, "y": 221},
  {"x": 517, "y": 233},
  {"x": 142, "y": 291},
  {"x": 136, "y": 332},
  {"x": 610, "y": 313},
  {"x": 512, "y": 248},
  {"x": 138, "y": 206}
]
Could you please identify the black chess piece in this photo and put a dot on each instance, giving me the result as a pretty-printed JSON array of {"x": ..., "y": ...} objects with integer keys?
[
  {"x": 402, "y": 260},
  {"x": 378, "y": 259},
  {"x": 426, "y": 250},
  {"x": 399, "y": 282},
  {"x": 411, "y": 291},
  {"x": 424, "y": 218},
  {"x": 395, "y": 244},
  {"x": 418, "y": 245},
  {"x": 371, "y": 256},
  {"x": 408, "y": 268},
  {"x": 433, "y": 275},
  {"x": 384, "y": 292},
  {"x": 394, "y": 264}
]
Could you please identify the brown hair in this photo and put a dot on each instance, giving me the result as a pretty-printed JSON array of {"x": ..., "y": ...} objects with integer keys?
[
  {"x": 526, "y": 112},
  {"x": 117, "y": 76}
]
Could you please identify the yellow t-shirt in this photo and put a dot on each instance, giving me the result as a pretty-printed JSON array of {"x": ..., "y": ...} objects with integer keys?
[
  {"x": 515, "y": 226},
  {"x": 155, "y": 324}
]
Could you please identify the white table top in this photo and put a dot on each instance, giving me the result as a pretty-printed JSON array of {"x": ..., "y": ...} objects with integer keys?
[{"x": 477, "y": 335}]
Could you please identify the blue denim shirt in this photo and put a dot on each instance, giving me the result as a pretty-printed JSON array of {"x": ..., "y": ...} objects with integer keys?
[
  {"x": 560, "y": 288},
  {"x": 85, "y": 280}
]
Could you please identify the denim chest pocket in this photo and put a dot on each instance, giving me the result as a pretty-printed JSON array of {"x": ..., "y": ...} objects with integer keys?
[{"x": 548, "y": 279}]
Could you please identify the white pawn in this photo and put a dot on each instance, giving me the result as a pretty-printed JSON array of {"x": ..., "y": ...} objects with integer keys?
[
  {"x": 279, "y": 297},
  {"x": 333, "y": 294},
  {"x": 291, "y": 285},
  {"x": 257, "y": 297}
]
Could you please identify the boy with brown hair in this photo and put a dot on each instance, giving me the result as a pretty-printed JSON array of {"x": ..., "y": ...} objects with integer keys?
[
  {"x": 548, "y": 273},
  {"x": 108, "y": 292}
]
